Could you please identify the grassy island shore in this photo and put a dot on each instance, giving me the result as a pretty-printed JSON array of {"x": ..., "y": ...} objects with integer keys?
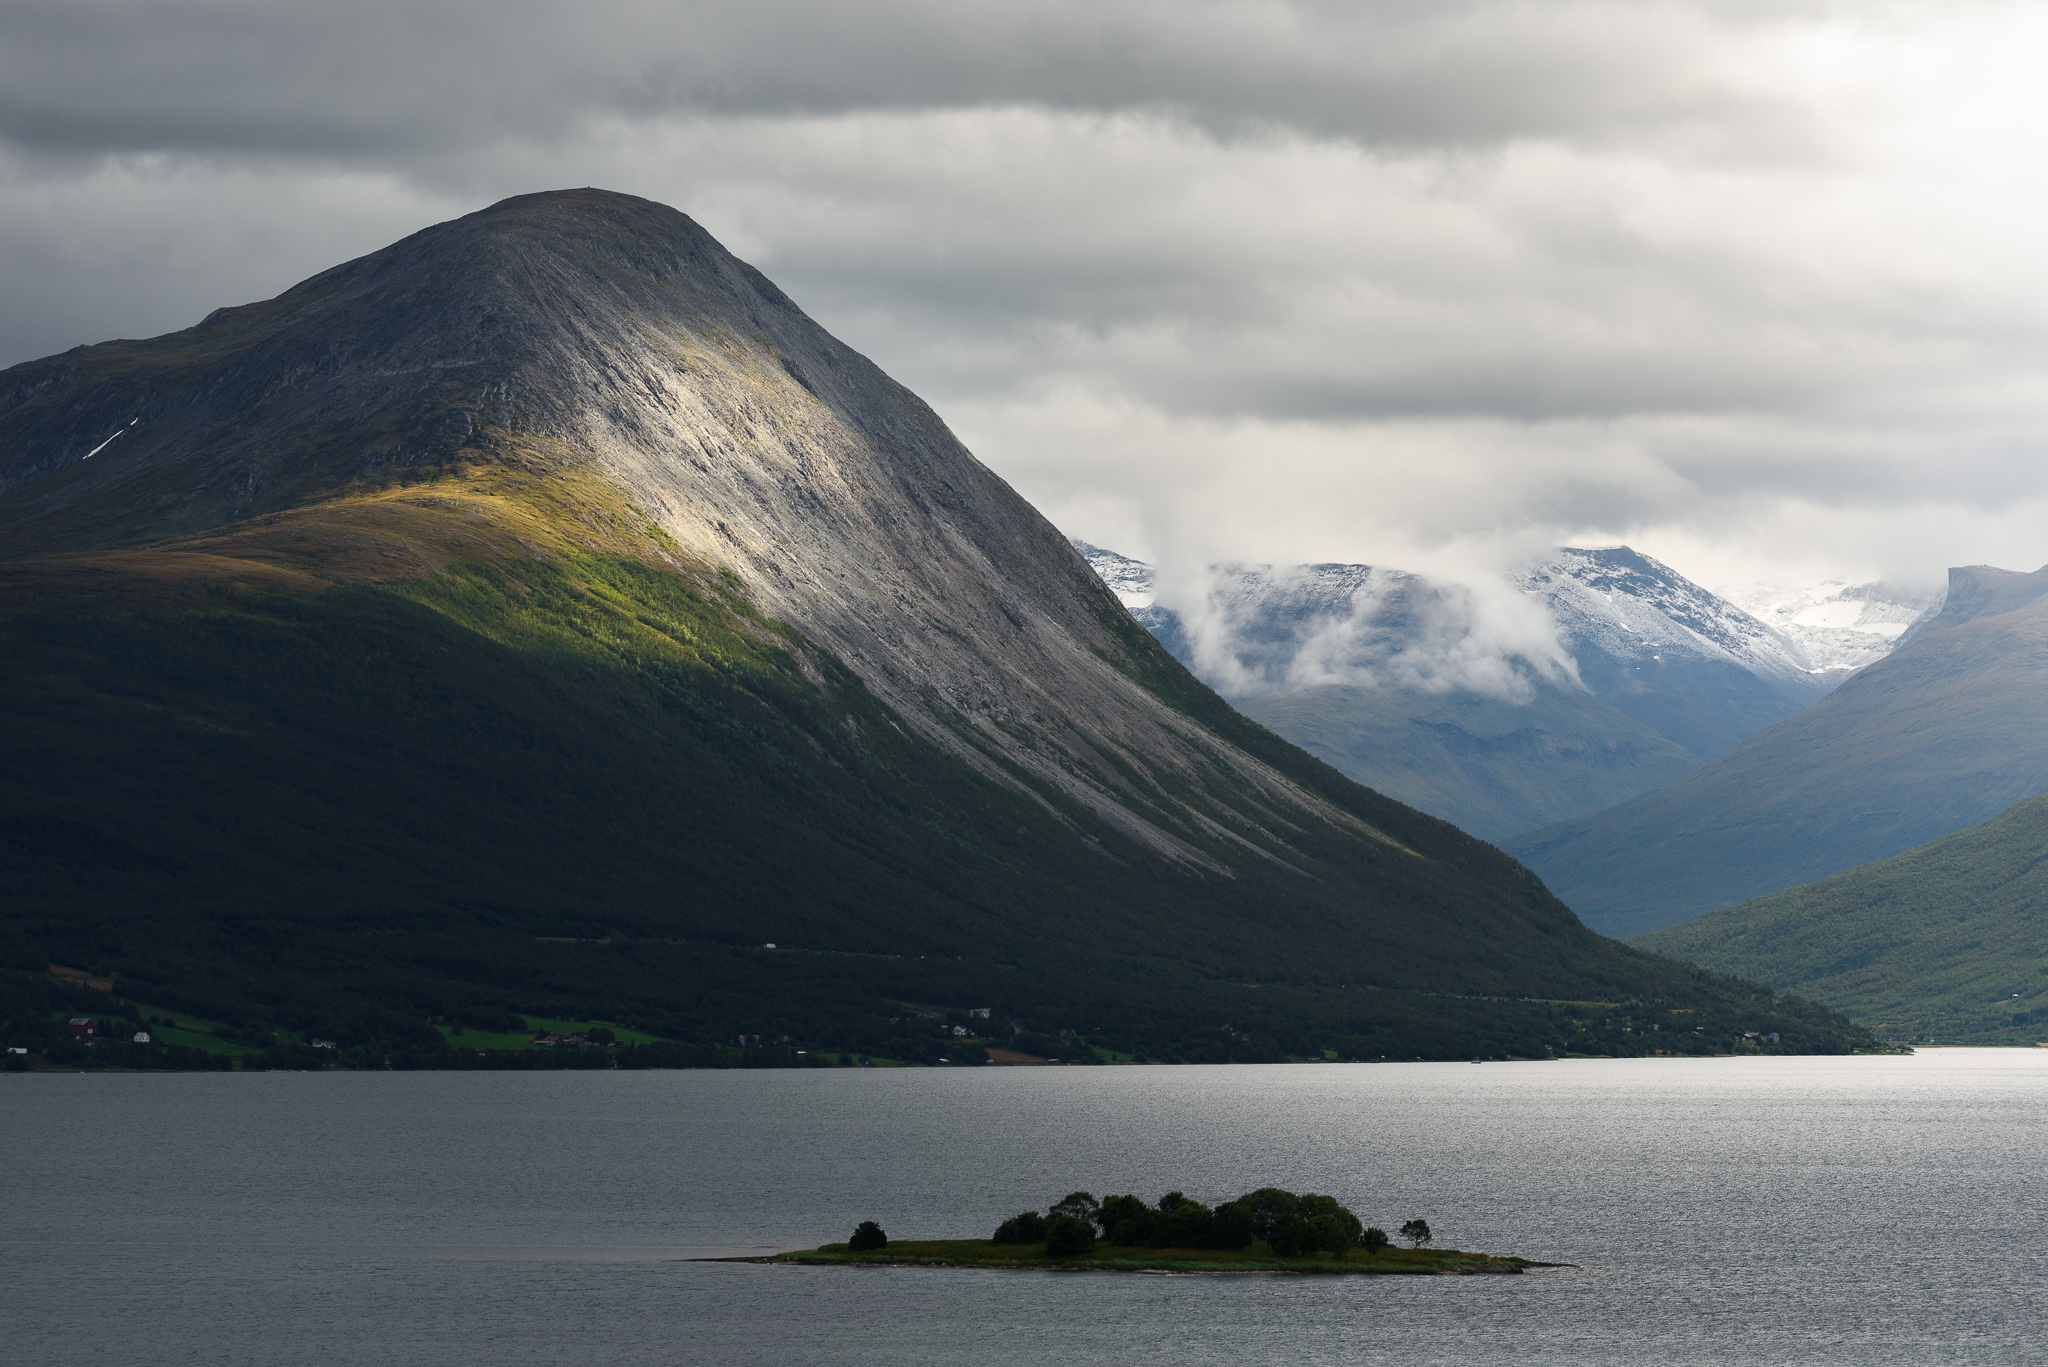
[
  {"x": 1108, "y": 1258},
  {"x": 1265, "y": 1231}
]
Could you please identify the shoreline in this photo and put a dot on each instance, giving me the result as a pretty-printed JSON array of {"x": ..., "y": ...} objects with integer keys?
[{"x": 981, "y": 1255}]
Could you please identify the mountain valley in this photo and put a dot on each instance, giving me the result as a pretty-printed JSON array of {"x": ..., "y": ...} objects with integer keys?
[{"x": 1946, "y": 731}]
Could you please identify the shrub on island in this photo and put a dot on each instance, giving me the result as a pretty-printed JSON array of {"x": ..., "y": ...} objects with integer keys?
[
  {"x": 1068, "y": 1236},
  {"x": 1028, "y": 1228},
  {"x": 1292, "y": 1226},
  {"x": 1178, "y": 1221},
  {"x": 867, "y": 1237},
  {"x": 1078, "y": 1204}
]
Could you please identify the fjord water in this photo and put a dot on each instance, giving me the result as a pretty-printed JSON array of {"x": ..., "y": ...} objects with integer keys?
[{"x": 1795, "y": 1210}]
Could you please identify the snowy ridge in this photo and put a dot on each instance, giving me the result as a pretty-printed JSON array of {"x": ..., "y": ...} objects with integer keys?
[
  {"x": 1264, "y": 629},
  {"x": 1840, "y": 626},
  {"x": 1613, "y": 600},
  {"x": 1630, "y": 605},
  {"x": 1130, "y": 580},
  {"x": 1693, "y": 666}
]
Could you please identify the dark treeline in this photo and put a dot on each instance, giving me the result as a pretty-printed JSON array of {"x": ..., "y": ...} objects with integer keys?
[{"x": 372, "y": 1035}]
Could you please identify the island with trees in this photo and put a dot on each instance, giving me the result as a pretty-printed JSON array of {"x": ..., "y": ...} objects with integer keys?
[{"x": 1268, "y": 1230}]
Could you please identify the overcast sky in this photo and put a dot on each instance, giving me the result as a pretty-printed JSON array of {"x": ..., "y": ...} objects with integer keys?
[{"x": 1756, "y": 287}]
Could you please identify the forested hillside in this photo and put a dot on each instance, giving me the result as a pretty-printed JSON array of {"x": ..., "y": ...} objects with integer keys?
[{"x": 1944, "y": 944}]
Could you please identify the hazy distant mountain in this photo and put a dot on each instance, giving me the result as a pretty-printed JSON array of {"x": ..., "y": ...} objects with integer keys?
[
  {"x": 1945, "y": 944},
  {"x": 1652, "y": 644},
  {"x": 1361, "y": 665},
  {"x": 1837, "y": 625},
  {"x": 1946, "y": 731},
  {"x": 544, "y": 614},
  {"x": 1487, "y": 765}
]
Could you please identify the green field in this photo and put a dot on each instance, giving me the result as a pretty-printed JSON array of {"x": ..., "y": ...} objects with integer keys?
[
  {"x": 1106, "y": 1258},
  {"x": 199, "y": 1039},
  {"x": 191, "y": 1031},
  {"x": 463, "y": 1038}
]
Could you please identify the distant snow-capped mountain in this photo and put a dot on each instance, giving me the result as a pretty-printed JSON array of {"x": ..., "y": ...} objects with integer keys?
[
  {"x": 1630, "y": 606},
  {"x": 1684, "y": 661},
  {"x": 1840, "y": 626},
  {"x": 1689, "y": 664}
]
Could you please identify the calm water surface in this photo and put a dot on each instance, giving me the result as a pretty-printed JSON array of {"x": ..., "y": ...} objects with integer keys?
[{"x": 1753, "y": 1211}]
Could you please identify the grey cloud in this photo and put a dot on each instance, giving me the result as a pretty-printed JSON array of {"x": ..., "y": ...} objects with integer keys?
[
  {"x": 138, "y": 247},
  {"x": 1738, "y": 283},
  {"x": 379, "y": 77}
]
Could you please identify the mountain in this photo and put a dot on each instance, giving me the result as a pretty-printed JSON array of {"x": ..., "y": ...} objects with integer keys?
[
  {"x": 1487, "y": 765},
  {"x": 1838, "y": 626},
  {"x": 543, "y": 615},
  {"x": 1946, "y": 731},
  {"x": 1944, "y": 944},
  {"x": 1657, "y": 647},
  {"x": 1387, "y": 676}
]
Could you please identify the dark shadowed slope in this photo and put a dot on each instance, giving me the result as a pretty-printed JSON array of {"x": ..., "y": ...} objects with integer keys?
[
  {"x": 548, "y": 578},
  {"x": 1945, "y": 732},
  {"x": 1944, "y": 944}
]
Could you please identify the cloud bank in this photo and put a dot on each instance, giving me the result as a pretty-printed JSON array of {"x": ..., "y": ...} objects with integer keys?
[
  {"x": 1271, "y": 630},
  {"x": 1752, "y": 286}
]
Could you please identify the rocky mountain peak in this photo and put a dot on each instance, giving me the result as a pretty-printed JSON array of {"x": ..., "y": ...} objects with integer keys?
[
  {"x": 1976, "y": 591},
  {"x": 607, "y": 351}
]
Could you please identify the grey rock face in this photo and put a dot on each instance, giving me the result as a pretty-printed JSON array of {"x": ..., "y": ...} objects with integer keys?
[
  {"x": 1976, "y": 591},
  {"x": 598, "y": 336}
]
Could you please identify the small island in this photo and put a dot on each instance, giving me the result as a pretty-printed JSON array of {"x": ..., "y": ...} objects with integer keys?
[{"x": 1264, "y": 1231}]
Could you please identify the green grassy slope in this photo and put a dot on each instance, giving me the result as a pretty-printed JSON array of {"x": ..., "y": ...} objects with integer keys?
[
  {"x": 1946, "y": 944},
  {"x": 574, "y": 785},
  {"x": 1489, "y": 767},
  {"x": 1948, "y": 731}
]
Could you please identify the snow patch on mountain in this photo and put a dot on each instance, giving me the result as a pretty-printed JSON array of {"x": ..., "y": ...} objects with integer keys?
[
  {"x": 1840, "y": 626},
  {"x": 1263, "y": 630}
]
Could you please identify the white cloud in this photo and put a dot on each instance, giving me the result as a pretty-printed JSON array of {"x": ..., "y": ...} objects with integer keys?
[{"x": 1268, "y": 630}]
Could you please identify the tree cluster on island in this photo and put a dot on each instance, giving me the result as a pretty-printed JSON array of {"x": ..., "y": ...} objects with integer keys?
[{"x": 1290, "y": 1225}]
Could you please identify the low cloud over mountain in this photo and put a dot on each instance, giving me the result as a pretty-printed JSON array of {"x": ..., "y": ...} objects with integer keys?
[{"x": 1581, "y": 678}]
